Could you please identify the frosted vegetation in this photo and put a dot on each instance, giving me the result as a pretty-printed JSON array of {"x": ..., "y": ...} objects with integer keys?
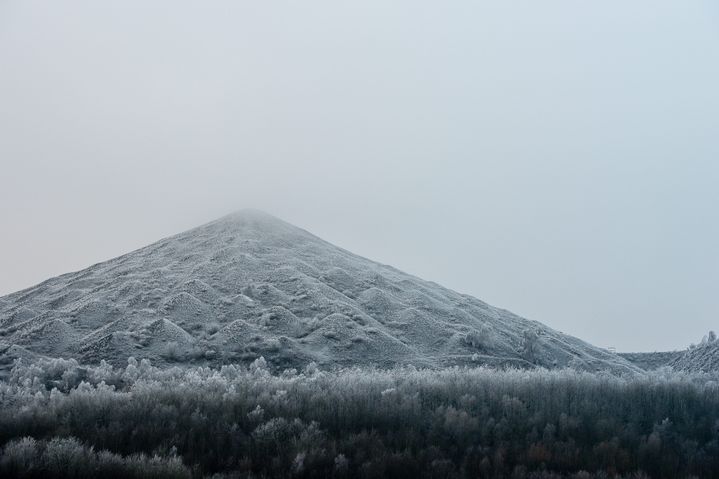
[{"x": 62, "y": 419}]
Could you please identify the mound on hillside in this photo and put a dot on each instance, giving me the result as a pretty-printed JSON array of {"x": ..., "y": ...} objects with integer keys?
[
  {"x": 250, "y": 285},
  {"x": 701, "y": 358}
]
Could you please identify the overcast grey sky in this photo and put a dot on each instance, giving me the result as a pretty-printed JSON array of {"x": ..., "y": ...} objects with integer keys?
[{"x": 558, "y": 158}]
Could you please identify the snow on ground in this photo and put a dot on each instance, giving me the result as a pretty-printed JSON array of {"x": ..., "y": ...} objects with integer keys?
[
  {"x": 701, "y": 358},
  {"x": 250, "y": 285}
]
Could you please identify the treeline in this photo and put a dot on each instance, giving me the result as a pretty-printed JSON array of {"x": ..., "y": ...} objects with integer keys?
[
  {"x": 67, "y": 457},
  {"x": 62, "y": 419}
]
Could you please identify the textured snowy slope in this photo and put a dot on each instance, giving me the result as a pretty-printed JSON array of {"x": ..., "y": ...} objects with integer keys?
[
  {"x": 702, "y": 358},
  {"x": 250, "y": 285},
  {"x": 654, "y": 360}
]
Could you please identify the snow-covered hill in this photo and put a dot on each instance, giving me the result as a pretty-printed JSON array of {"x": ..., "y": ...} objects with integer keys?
[
  {"x": 701, "y": 358},
  {"x": 652, "y": 361},
  {"x": 250, "y": 285}
]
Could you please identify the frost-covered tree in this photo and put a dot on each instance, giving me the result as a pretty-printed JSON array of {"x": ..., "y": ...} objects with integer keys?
[
  {"x": 143, "y": 421},
  {"x": 530, "y": 340},
  {"x": 481, "y": 338}
]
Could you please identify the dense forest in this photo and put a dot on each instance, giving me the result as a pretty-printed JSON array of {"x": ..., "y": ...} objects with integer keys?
[{"x": 62, "y": 419}]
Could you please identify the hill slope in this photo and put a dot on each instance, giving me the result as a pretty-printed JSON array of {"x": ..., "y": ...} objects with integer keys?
[
  {"x": 701, "y": 358},
  {"x": 652, "y": 361},
  {"x": 248, "y": 285}
]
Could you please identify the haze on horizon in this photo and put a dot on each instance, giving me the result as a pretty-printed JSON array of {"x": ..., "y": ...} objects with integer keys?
[{"x": 557, "y": 159}]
